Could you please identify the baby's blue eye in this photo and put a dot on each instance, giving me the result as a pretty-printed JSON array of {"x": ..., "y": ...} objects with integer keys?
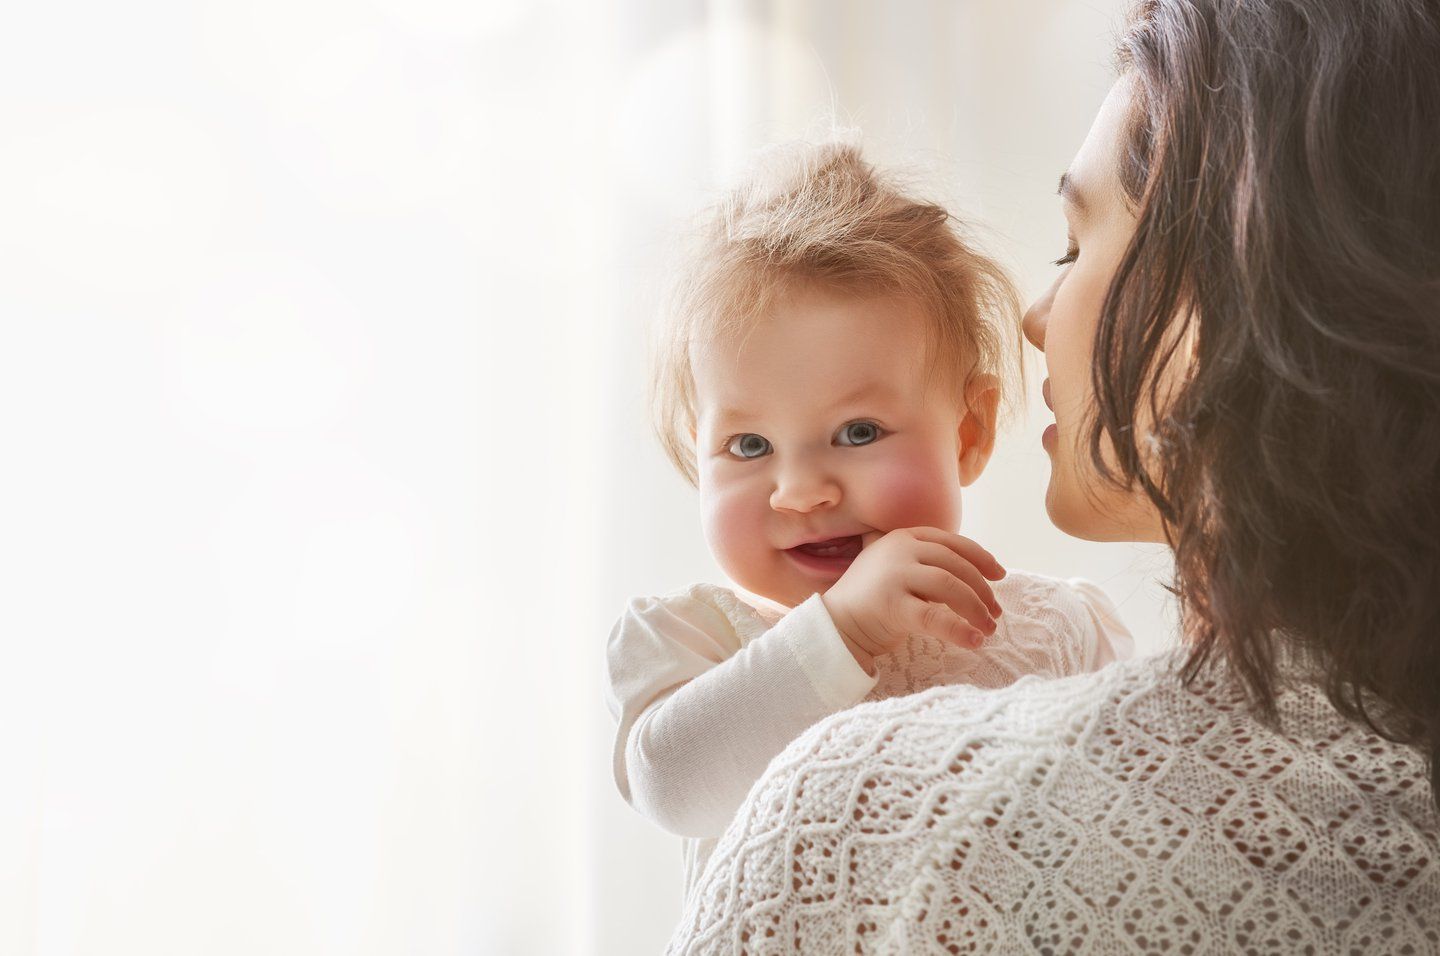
[
  {"x": 859, "y": 433},
  {"x": 748, "y": 446}
]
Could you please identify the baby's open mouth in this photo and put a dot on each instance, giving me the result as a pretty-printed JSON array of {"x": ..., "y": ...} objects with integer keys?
[{"x": 843, "y": 549}]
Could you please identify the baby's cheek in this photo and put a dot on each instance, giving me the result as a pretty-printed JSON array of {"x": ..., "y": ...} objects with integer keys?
[
  {"x": 914, "y": 492},
  {"x": 734, "y": 528}
]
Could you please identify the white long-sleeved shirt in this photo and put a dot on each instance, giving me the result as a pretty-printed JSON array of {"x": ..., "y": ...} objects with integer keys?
[{"x": 706, "y": 688}]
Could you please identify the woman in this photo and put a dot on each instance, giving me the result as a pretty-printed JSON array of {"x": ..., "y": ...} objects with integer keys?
[{"x": 1243, "y": 349}]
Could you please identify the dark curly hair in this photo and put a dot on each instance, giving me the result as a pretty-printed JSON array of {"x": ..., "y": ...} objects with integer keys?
[{"x": 1283, "y": 161}]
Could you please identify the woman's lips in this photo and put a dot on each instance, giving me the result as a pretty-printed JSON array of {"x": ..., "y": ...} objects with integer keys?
[
  {"x": 1051, "y": 432},
  {"x": 829, "y": 557}
]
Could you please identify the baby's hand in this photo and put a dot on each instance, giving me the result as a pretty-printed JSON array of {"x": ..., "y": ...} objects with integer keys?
[{"x": 914, "y": 581}]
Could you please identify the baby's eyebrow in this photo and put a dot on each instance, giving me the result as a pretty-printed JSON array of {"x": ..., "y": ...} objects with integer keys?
[
  {"x": 735, "y": 415},
  {"x": 872, "y": 389}
]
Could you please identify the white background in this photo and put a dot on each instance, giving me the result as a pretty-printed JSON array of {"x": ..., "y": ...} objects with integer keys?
[{"x": 326, "y": 466}]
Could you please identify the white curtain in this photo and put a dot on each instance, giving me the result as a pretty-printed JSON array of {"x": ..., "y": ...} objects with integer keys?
[{"x": 326, "y": 464}]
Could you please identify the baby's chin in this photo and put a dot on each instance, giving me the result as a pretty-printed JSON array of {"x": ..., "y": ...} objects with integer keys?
[
  {"x": 791, "y": 577},
  {"x": 799, "y": 584}
]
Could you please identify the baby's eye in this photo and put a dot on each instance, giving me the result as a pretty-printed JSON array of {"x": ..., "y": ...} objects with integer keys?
[
  {"x": 858, "y": 433},
  {"x": 747, "y": 446}
]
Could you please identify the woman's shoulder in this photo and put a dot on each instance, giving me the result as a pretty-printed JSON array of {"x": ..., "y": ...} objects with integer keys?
[
  {"x": 872, "y": 783},
  {"x": 1034, "y": 711},
  {"x": 978, "y": 739},
  {"x": 1141, "y": 705},
  {"x": 1126, "y": 770},
  {"x": 1128, "y": 721}
]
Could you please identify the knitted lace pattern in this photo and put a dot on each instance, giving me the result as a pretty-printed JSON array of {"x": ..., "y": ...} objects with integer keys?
[{"x": 1109, "y": 812}]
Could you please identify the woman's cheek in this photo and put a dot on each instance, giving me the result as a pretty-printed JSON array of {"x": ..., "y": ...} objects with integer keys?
[{"x": 1068, "y": 347}]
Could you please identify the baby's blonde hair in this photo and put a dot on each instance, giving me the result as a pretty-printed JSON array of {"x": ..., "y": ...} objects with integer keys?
[{"x": 821, "y": 214}]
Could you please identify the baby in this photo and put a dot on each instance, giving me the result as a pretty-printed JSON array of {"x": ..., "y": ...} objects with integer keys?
[{"x": 829, "y": 379}]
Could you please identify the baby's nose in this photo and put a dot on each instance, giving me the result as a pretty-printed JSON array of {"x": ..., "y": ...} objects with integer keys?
[{"x": 804, "y": 491}]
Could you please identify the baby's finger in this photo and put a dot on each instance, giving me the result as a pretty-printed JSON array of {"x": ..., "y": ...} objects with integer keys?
[
  {"x": 938, "y": 585},
  {"x": 940, "y": 622},
  {"x": 930, "y": 553},
  {"x": 966, "y": 548}
]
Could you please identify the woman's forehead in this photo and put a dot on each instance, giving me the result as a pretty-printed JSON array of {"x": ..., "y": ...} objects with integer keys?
[{"x": 1091, "y": 184}]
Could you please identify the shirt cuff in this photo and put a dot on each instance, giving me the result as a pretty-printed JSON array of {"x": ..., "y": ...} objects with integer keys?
[{"x": 811, "y": 635}]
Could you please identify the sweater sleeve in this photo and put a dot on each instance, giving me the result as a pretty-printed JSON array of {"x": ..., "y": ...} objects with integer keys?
[
  {"x": 1108, "y": 638},
  {"x": 700, "y": 717}
]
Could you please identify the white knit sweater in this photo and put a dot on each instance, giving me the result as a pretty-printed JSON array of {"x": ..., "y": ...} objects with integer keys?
[
  {"x": 706, "y": 688},
  {"x": 1112, "y": 812}
]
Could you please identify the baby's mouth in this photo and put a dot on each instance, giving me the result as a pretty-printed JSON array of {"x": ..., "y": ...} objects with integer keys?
[
  {"x": 845, "y": 548},
  {"x": 830, "y": 557}
]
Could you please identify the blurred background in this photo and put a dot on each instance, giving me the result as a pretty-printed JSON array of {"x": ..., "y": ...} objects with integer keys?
[{"x": 327, "y": 466}]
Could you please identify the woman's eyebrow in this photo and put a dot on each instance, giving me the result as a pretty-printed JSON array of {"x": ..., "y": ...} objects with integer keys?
[{"x": 1069, "y": 192}]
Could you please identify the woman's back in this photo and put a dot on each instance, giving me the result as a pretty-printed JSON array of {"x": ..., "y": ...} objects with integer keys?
[
  {"x": 1114, "y": 812},
  {"x": 1242, "y": 356}
]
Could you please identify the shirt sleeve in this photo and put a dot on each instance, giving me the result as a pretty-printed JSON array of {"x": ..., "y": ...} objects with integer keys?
[
  {"x": 700, "y": 717},
  {"x": 1108, "y": 638}
]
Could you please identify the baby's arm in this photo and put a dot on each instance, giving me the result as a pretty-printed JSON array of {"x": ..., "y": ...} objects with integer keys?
[
  {"x": 1106, "y": 637},
  {"x": 1051, "y": 627},
  {"x": 700, "y": 717}
]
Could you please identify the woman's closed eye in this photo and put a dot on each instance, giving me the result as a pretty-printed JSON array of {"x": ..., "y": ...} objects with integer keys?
[{"x": 1071, "y": 254}]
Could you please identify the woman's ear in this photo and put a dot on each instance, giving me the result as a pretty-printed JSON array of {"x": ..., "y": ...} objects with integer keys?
[{"x": 977, "y": 426}]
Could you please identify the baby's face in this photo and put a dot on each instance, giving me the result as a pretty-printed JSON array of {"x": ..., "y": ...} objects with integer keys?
[{"x": 816, "y": 428}]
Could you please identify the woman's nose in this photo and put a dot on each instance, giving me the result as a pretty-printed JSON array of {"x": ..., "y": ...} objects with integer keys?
[
  {"x": 1036, "y": 318},
  {"x": 804, "y": 489}
]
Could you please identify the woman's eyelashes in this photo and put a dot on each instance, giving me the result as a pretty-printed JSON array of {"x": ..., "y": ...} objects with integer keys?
[
  {"x": 1071, "y": 254},
  {"x": 748, "y": 445}
]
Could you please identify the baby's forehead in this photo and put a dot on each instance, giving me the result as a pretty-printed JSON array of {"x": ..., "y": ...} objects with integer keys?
[
  {"x": 822, "y": 324},
  {"x": 746, "y": 358},
  {"x": 730, "y": 393}
]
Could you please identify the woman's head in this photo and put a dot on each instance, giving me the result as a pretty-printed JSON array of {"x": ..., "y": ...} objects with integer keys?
[
  {"x": 832, "y": 367},
  {"x": 1063, "y": 322},
  {"x": 1265, "y": 356}
]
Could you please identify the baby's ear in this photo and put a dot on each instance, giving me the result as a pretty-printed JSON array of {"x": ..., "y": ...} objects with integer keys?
[{"x": 977, "y": 426}]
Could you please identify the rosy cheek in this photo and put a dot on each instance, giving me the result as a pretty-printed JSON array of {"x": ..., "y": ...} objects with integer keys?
[
  {"x": 913, "y": 492},
  {"x": 733, "y": 523}
]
